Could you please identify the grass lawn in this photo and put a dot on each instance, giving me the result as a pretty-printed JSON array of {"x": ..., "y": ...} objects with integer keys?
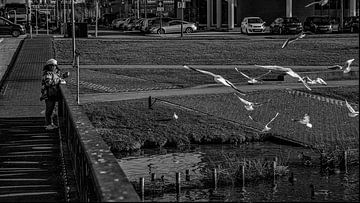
[{"x": 243, "y": 51}]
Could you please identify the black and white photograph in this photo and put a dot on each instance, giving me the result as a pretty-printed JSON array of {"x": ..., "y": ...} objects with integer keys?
[{"x": 179, "y": 100}]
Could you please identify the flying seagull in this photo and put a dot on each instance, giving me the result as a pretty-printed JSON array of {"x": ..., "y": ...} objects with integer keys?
[
  {"x": 266, "y": 128},
  {"x": 305, "y": 121},
  {"x": 252, "y": 80},
  {"x": 175, "y": 116},
  {"x": 217, "y": 78},
  {"x": 248, "y": 105},
  {"x": 352, "y": 113},
  {"x": 288, "y": 71},
  {"x": 321, "y": 3},
  {"x": 346, "y": 67},
  {"x": 293, "y": 39},
  {"x": 314, "y": 82}
]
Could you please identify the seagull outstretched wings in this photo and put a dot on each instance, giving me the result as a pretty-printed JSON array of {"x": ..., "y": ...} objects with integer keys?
[
  {"x": 293, "y": 39},
  {"x": 217, "y": 78},
  {"x": 346, "y": 68},
  {"x": 321, "y": 3}
]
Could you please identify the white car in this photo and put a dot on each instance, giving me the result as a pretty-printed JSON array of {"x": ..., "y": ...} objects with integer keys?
[
  {"x": 174, "y": 26},
  {"x": 252, "y": 25}
]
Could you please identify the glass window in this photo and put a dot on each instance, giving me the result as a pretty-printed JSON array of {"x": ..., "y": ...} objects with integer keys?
[{"x": 254, "y": 20}]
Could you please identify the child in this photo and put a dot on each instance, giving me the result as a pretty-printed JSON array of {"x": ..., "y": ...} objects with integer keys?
[{"x": 50, "y": 92}]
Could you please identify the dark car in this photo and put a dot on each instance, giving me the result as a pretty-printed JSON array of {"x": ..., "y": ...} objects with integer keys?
[
  {"x": 9, "y": 28},
  {"x": 351, "y": 24},
  {"x": 285, "y": 25},
  {"x": 318, "y": 24}
]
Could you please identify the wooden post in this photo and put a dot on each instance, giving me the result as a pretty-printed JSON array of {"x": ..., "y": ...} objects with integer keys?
[
  {"x": 275, "y": 165},
  {"x": 345, "y": 161},
  {"x": 153, "y": 177},
  {"x": 149, "y": 103},
  {"x": 215, "y": 178},
  {"x": 178, "y": 183},
  {"x": 187, "y": 175},
  {"x": 142, "y": 188},
  {"x": 243, "y": 175}
]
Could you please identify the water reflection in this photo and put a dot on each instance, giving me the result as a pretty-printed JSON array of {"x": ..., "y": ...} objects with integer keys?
[{"x": 200, "y": 159}]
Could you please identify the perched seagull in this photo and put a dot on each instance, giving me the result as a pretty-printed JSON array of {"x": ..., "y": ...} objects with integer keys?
[
  {"x": 352, "y": 113},
  {"x": 288, "y": 71},
  {"x": 305, "y": 121},
  {"x": 314, "y": 82},
  {"x": 321, "y": 3},
  {"x": 292, "y": 39},
  {"x": 217, "y": 78},
  {"x": 175, "y": 116},
  {"x": 266, "y": 128},
  {"x": 248, "y": 105},
  {"x": 346, "y": 67},
  {"x": 252, "y": 80}
]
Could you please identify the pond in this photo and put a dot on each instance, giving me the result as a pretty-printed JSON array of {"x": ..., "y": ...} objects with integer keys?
[{"x": 200, "y": 160}]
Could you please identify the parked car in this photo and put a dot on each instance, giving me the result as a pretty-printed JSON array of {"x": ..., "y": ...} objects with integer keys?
[
  {"x": 351, "y": 24},
  {"x": 285, "y": 25},
  {"x": 147, "y": 23},
  {"x": 318, "y": 24},
  {"x": 116, "y": 24},
  {"x": 9, "y": 28},
  {"x": 252, "y": 25},
  {"x": 174, "y": 26}
]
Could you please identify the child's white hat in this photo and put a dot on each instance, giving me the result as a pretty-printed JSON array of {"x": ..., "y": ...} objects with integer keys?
[{"x": 51, "y": 62}]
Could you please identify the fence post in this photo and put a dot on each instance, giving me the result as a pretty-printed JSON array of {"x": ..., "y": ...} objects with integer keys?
[
  {"x": 142, "y": 188},
  {"x": 178, "y": 183},
  {"x": 187, "y": 175},
  {"x": 215, "y": 178},
  {"x": 149, "y": 103}
]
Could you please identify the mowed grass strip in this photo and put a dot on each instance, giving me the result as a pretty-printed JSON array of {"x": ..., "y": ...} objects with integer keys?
[{"x": 310, "y": 51}]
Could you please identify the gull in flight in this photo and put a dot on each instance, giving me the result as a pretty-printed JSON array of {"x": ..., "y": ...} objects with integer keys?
[
  {"x": 248, "y": 105},
  {"x": 175, "y": 116},
  {"x": 321, "y": 3},
  {"x": 305, "y": 120},
  {"x": 352, "y": 113},
  {"x": 266, "y": 127},
  {"x": 217, "y": 78},
  {"x": 314, "y": 82},
  {"x": 346, "y": 67},
  {"x": 254, "y": 79},
  {"x": 293, "y": 39},
  {"x": 288, "y": 71}
]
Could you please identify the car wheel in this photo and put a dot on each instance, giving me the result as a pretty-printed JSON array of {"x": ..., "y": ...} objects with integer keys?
[
  {"x": 247, "y": 32},
  {"x": 15, "y": 33},
  {"x": 189, "y": 30},
  {"x": 161, "y": 31}
]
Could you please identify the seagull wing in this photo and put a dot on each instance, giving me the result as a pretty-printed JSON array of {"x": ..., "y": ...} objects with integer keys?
[
  {"x": 349, "y": 107},
  {"x": 315, "y": 2},
  {"x": 200, "y": 71},
  {"x": 272, "y": 119},
  {"x": 263, "y": 75},
  {"x": 245, "y": 75},
  {"x": 323, "y": 2},
  {"x": 348, "y": 62},
  {"x": 293, "y": 74},
  {"x": 321, "y": 81},
  {"x": 235, "y": 88},
  {"x": 243, "y": 100},
  {"x": 285, "y": 43},
  {"x": 306, "y": 118},
  {"x": 336, "y": 67},
  {"x": 279, "y": 68}
]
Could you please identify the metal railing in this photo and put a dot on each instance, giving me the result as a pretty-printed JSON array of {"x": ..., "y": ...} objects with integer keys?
[{"x": 99, "y": 178}]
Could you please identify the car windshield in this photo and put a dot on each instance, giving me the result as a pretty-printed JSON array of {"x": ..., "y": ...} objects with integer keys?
[
  {"x": 291, "y": 20},
  {"x": 254, "y": 20}
]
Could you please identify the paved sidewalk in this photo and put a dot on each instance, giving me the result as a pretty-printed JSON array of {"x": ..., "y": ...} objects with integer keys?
[{"x": 21, "y": 89}]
